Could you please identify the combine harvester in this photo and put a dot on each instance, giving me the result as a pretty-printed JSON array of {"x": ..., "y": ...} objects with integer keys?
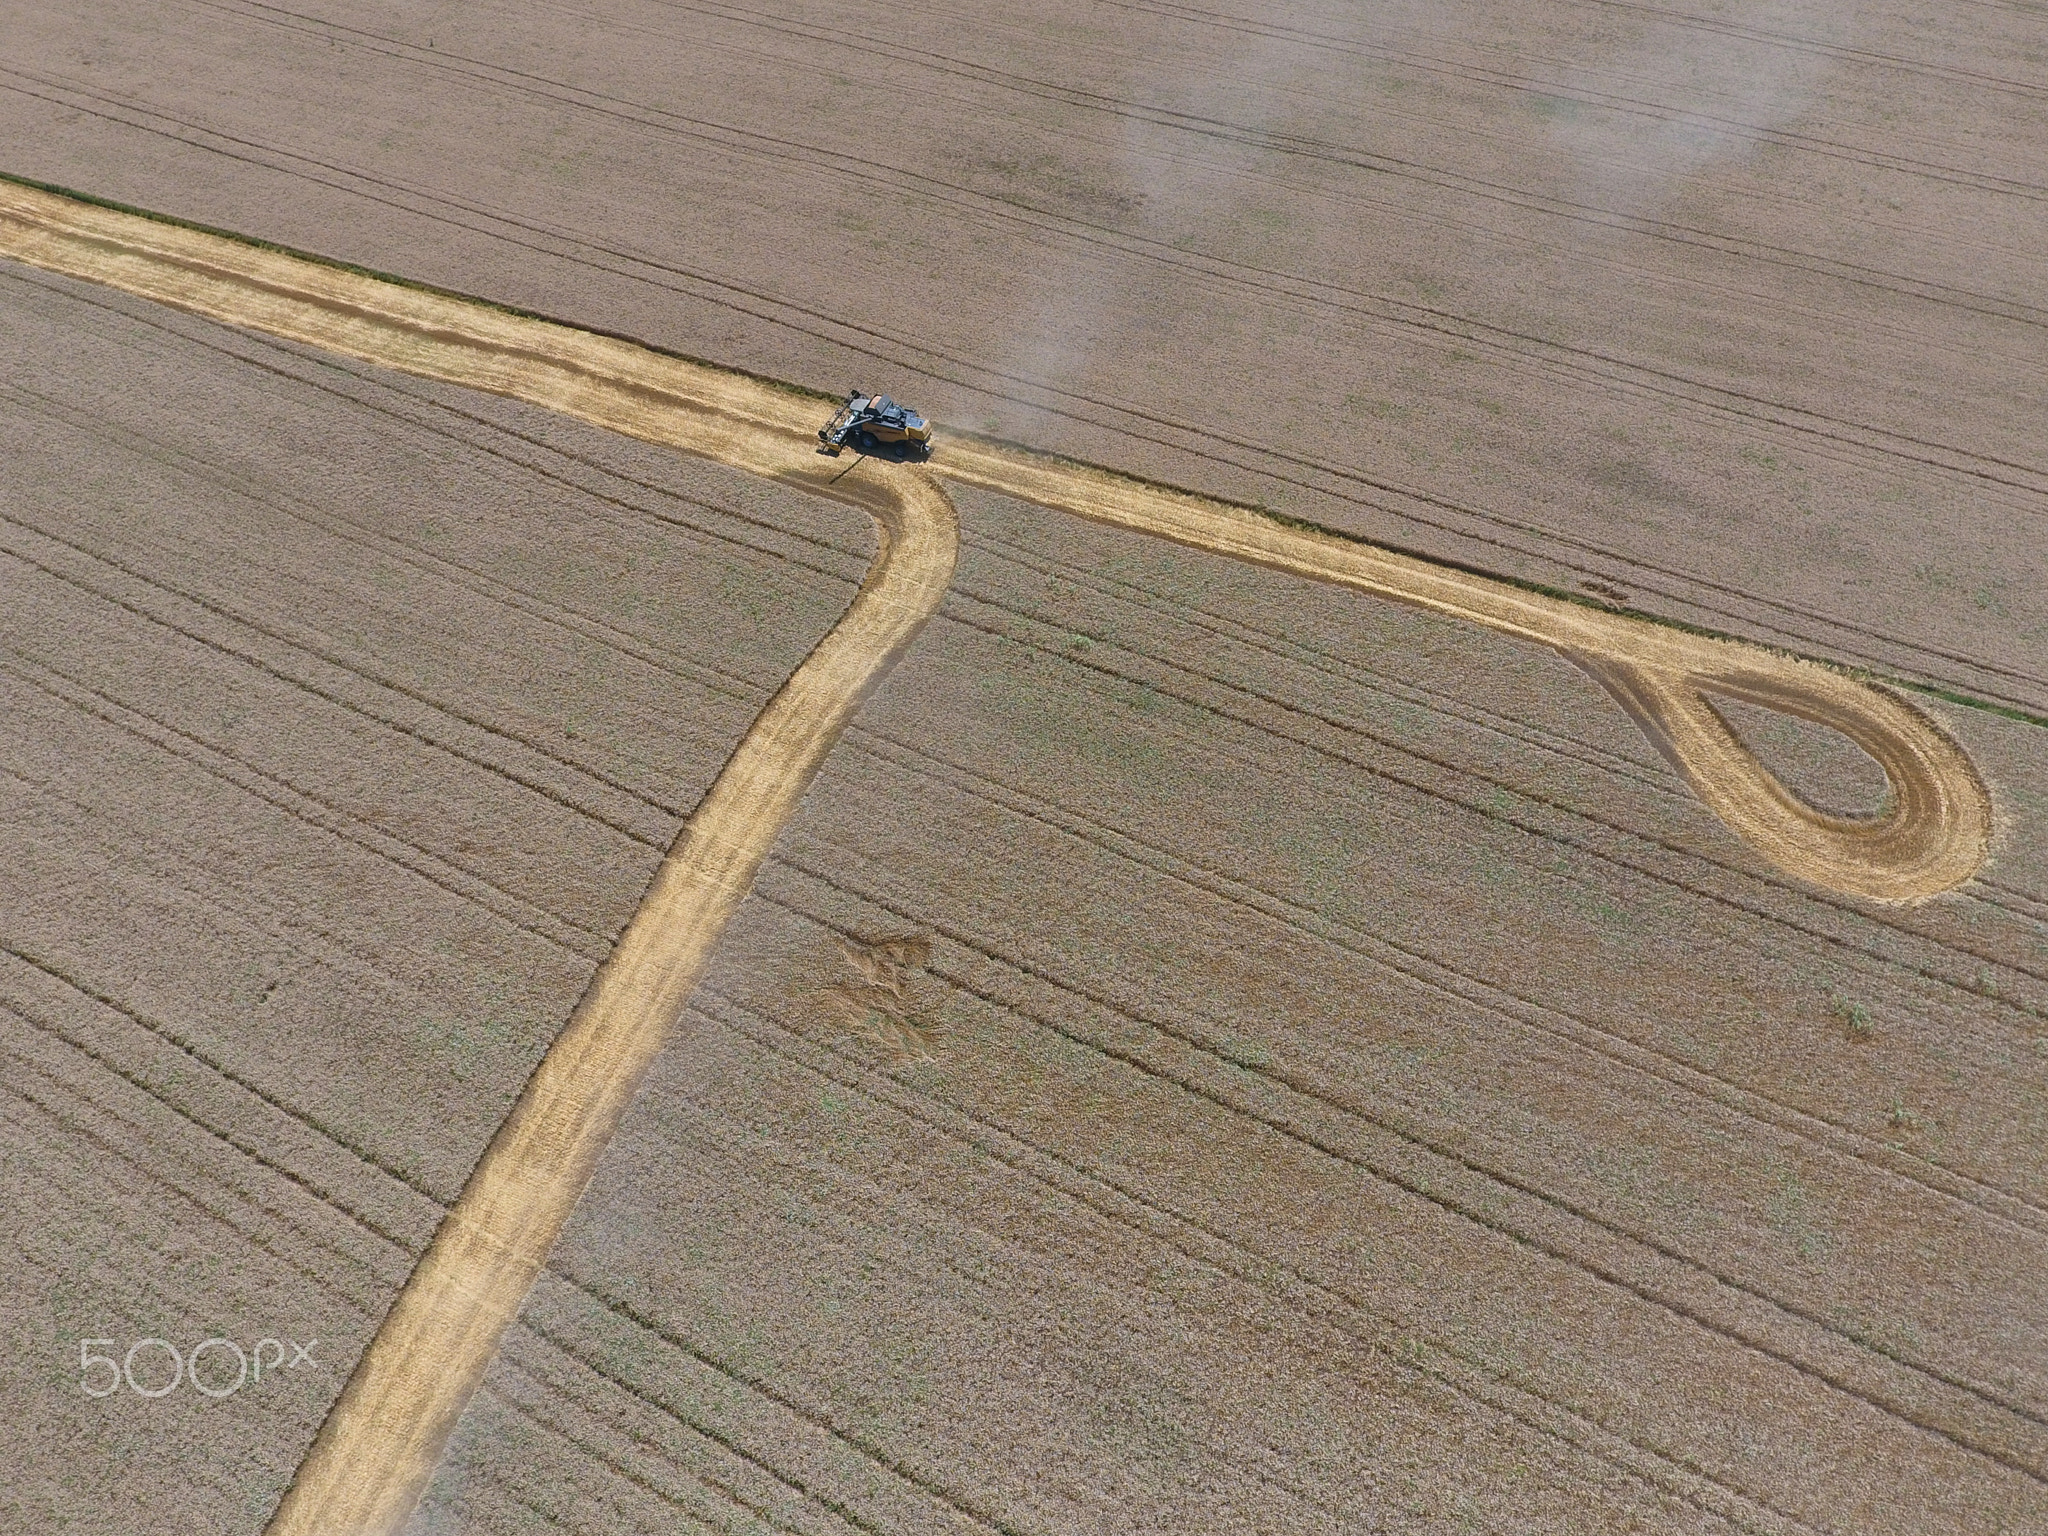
[{"x": 876, "y": 424}]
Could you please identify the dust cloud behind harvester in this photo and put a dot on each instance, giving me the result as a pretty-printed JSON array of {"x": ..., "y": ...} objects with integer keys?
[{"x": 387, "y": 1433}]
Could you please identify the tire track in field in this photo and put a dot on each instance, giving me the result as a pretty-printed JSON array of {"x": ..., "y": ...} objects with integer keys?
[
  {"x": 1975, "y": 79},
  {"x": 1245, "y": 274},
  {"x": 1422, "y": 1179},
  {"x": 737, "y": 687},
  {"x": 820, "y": 1419},
  {"x": 1417, "y": 786},
  {"x": 1466, "y": 1375},
  {"x": 555, "y": 614},
  {"x": 1498, "y": 781},
  {"x": 2029, "y": 904},
  {"x": 774, "y": 538},
  {"x": 573, "y": 1387},
  {"x": 248, "y": 1146},
  {"x": 518, "y": 1373},
  {"x": 1079, "y": 580},
  {"x": 298, "y": 930},
  {"x": 141, "y": 1157},
  {"x": 1992, "y": 1200},
  {"x": 1193, "y": 442},
  {"x": 1352, "y": 726},
  {"x": 1237, "y": 22},
  {"x": 386, "y": 1434},
  {"x": 168, "y": 1034},
  {"x": 1518, "y": 347},
  {"x": 147, "y": 1169},
  {"x": 436, "y": 1207},
  {"x": 1561, "y": 1025},
  {"x": 726, "y": 1146},
  {"x": 1190, "y": 613},
  {"x": 1465, "y": 72},
  {"x": 46, "y": 1116},
  {"x": 732, "y": 686},
  {"x": 1258, "y": 277},
  {"x": 1281, "y": 648},
  {"x": 32, "y": 670},
  {"x": 709, "y": 1433},
  {"x": 1384, "y": 207},
  {"x": 563, "y": 92},
  {"x": 1432, "y": 974},
  {"x": 406, "y": 1248},
  {"x": 319, "y": 814},
  {"x": 434, "y": 742},
  {"x": 1932, "y": 840}
]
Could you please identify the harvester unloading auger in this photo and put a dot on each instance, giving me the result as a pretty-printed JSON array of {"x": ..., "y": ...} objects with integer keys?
[{"x": 876, "y": 424}]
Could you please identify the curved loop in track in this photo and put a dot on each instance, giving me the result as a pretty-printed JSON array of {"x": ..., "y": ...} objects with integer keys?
[
  {"x": 386, "y": 1434},
  {"x": 1932, "y": 837},
  {"x": 389, "y": 1429}
]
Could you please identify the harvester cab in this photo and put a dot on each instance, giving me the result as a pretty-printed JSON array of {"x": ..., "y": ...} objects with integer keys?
[{"x": 878, "y": 425}]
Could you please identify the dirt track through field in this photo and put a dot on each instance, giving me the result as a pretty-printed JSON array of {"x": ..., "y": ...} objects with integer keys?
[{"x": 387, "y": 1432}]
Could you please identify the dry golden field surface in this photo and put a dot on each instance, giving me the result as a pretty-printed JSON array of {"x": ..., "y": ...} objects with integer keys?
[
  {"x": 1208, "y": 1050},
  {"x": 1735, "y": 307}
]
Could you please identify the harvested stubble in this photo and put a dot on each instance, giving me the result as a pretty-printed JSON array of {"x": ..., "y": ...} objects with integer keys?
[
  {"x": 379, "y": 1446},
  {"x": 1679, "y": 302}
]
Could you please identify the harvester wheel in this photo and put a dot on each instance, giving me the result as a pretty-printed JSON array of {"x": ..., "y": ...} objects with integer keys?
[{"x": 865, "y": 441}]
